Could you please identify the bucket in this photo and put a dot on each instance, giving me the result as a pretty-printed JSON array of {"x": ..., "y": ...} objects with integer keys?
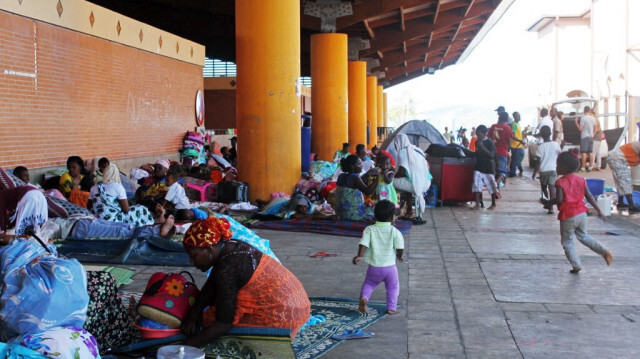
[
  {"x": 604, "y": 203},
  {"x": 596, "y": 186},
  {"x": 636, "y": 198}
]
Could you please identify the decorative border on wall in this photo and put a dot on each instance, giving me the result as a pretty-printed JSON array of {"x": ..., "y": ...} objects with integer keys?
[{"x": 91, "y": 19}]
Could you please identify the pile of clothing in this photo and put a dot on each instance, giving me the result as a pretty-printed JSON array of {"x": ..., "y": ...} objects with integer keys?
[{"x": 193, "y": 151}]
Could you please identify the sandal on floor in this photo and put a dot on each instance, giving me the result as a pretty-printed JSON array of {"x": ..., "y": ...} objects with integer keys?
[
  {"x": 418, "y": 221},
  {"x": 352, "y": 334}
]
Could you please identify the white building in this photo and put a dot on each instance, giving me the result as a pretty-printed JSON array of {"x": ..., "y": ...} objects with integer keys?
[{"x": 596, "y": 50}]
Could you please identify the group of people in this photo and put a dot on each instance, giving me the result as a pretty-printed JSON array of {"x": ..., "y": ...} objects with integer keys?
[
  {"x": 369, "y": 178},
  {"x": 245, "y": 273}
]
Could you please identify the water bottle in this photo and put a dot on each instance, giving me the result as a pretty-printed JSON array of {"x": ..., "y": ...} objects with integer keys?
[{"x": 604, "y": 203}]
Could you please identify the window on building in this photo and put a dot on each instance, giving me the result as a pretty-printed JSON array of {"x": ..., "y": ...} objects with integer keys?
[{"x": 218, "y": 68}]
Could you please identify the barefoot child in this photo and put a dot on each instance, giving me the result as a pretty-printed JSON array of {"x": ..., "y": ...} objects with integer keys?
[
  {"x": 571, "y": 190},
  {"x": 484, "y": 172},
  {"x": 383, "y": 244},
  {"x": 548, "y": 152}
]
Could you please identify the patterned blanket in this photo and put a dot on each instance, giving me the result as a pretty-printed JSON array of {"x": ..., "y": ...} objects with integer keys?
[{"x": 334, "y": 228}]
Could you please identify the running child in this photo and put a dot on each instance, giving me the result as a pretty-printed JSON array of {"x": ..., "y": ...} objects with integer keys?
[
  {"x": 484, "y": 171},
  {"x": 571, "y": 190},
  {"x": 548, "y": 152},
  {"x": 383, "y": 244}
]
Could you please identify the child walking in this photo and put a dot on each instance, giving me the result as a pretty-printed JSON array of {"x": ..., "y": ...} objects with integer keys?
[
  {"x": 484, "y": 172},
  {"x": 548, "y": 152},
  {"x": 383, "y": 244},
  {"x": 571, "y": 190}
]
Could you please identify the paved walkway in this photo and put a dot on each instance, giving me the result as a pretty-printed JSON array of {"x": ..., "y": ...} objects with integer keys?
[{"x": 478, "y": 284}]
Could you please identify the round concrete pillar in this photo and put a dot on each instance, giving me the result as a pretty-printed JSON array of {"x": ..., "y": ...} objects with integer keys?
[
  {"x": 267, "y": 103},
  {"x": 329, "y": 94}
]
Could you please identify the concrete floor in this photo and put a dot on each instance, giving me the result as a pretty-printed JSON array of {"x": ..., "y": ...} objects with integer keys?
[{"x": 478, "y": 284}]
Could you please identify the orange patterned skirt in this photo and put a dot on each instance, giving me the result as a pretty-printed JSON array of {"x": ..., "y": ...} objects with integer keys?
[{"x": 273, "y": 298}]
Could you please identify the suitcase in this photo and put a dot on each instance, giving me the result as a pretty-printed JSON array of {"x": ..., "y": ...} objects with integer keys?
[{"x": 233, "y": 191}]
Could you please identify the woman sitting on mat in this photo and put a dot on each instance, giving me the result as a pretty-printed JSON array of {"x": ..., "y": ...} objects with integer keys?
[
  {"x": 348, "y": 198},
  {"x": 153, "y": 188},
  {"x": 75, "y": 173},
  {"x": 23, "y": 206},
  {"x": 246, "y": 288},
  {"x": 108, "y": 201},
  {"x": 412, "y": 176}
]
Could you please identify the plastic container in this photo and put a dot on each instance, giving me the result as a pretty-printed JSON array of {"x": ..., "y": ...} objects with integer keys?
[
  {"x": 636, "y": 198},
  {"x": 604, "y": 203},
  {"x": 179, "y": 352},
  {"x": 596, "y": 186},
  {"x": 147, "y": 333}
]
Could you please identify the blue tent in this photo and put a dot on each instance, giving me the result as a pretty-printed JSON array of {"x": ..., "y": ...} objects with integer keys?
[{"x": 420, "y": 133}]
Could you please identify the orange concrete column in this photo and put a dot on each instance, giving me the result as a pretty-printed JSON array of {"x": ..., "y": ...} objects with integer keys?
[
  {"x": 357, "y": 103},
  {"x": 384, "y": 109},
  {"x": 372, "y": 110},
  {"x": 380, "y": 100},
  {"x": 329, "y": 94},
  {"x": 267, "y": 103}
]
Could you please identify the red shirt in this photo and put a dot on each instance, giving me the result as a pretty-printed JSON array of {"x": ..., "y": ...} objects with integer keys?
[
  {"x": 501, "y": 134},
  {"x": 573, "y": 203}
]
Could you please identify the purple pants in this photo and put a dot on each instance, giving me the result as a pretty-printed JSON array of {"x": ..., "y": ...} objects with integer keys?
[{"x": 377, "y": 275}]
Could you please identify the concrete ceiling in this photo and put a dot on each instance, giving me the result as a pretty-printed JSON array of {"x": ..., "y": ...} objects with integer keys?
[{"x": 400, "y": 39}]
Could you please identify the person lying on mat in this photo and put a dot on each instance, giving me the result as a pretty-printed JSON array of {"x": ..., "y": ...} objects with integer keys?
[
  {"x": 348, "y": 198},
  {"x": 95, "y": 228},
  {"x": 246, "y": 288},
  {"x": 296, "y": 207}
]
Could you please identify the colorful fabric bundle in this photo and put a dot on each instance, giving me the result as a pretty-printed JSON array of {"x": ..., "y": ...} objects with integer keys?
[{"x": 41, "y": 291}]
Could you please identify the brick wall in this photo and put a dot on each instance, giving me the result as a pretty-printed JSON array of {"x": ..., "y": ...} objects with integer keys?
[
  {"x": 66, "y": 93},
  {"x": 220, "y": 109}
]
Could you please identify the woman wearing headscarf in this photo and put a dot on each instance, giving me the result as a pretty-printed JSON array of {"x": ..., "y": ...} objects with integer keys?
[
  {"x": 27, "y": 206},
  {"x": 246, "y": 288},
  {"x": 412, "y": 174},
  {"x": 108, "y": 201}
]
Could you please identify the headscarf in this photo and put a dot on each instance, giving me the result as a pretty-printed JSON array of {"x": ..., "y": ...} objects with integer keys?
[
  {"x": 163, "y": 162},
  {"x": 111, "y": 175},
  {"x": 207, "y": 233},
  {"x": 387, "y": 154}
]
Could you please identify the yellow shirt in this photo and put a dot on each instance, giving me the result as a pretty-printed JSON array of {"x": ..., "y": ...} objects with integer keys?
[{"x": 517, "y": 135}]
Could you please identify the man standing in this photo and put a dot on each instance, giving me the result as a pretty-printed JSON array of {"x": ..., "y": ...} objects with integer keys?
[
  {"x": 517, "y": 146},
  {"x": 501, "y": 134},
  {"x": 502, "y": 109},
  {"x": 586, "y": 125},
  {"x": 447, "y": 135},
  {"x": 557, "y": 134}
]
